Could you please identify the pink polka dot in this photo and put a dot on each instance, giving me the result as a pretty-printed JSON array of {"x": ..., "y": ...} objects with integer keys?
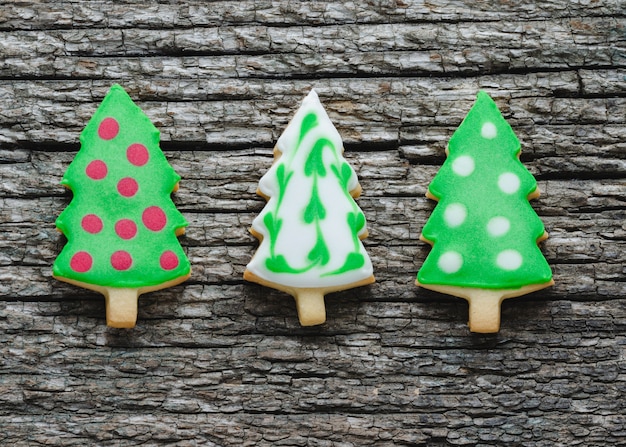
[
  {"x": 81, "y": 262},
  {"x": 154, "y": 218},
  {"x": 125, "y": 228},
  {"x": 121, "y": 260},
  {"x": 127, "y": 187},
  {"x": 96, "y": 170},
  {"x": 169, "y": 260},
  {"x": 108, "y": 129},
  {"x": 137, "y": 154},
  {"x": 91, "y": 224}
]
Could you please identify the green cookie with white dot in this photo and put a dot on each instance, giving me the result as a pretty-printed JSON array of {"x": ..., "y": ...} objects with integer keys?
[{"x": 483, "y": 231}]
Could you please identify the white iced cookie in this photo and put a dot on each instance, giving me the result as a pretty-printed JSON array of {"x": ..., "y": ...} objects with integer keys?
[{"x": 311, "y": 228}]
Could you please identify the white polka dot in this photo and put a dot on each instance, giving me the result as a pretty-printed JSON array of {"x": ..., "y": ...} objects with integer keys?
[
  {"x": 489, "y": 131},
  {"x": 450, "y": 262},
  {"x": 509, "y": 260},
  {"x": 508, "y": 183},
  {"x": 455, "y": 214},
  {"x": 463, "y": 165},
  {"x": 498, "y": 226}
]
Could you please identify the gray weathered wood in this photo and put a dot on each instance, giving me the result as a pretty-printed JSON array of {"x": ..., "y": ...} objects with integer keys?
[{"x": 220, "y": 362}]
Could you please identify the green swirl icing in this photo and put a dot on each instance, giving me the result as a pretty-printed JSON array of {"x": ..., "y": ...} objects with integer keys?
[
  {"x": 126, "y": 227},
  {"x": 483, "y": 230},
  {"x": 315, "y": 210}
]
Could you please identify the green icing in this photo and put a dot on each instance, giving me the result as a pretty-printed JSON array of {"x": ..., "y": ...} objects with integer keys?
[
  {"x": 315, "y": 210},
  {"x": 314, "y": 165},
  {"x": 507, "y": 257},
  {"x": 343, "y": 174},
  {"x": 353, "y": 261},
  {"x": 155, "y": 179},
  {"x": 308, "y": 122},
  {"x": 319, "y": 254},
  {"x": 278, "y": 263},
  {"x": 283, "y": 180}
]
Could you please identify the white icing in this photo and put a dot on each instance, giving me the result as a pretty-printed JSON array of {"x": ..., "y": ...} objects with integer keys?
[
  {"x": 508, "y": 183},
  {"x": 450, "y": 262},
  {"x": 296, "y": 238},
  {"x": 455, "y": 214},
  {"x": 489, "y": 131},
  {"x": 463, "y": 165},
  {"x": 498, "y": 226},
  {"x": 509, "y": 260}
]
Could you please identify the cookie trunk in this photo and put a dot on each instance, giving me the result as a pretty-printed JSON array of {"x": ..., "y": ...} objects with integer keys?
[
  {"x": 484, "y": 311},
  {"x": 121, "y": 307},
  {"x": 310, "y": 306}
]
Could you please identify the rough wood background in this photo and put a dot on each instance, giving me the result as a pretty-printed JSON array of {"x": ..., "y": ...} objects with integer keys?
[{"x": 220, "y": 362}]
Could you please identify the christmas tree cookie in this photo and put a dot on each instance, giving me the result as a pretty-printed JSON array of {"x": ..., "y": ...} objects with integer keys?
[
  {"x": 311, "y": 228},
  {"x": 483, "y": 231},
  {"x": 121, "y": 225}
]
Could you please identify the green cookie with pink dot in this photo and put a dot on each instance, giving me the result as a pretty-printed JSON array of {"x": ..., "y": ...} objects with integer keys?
[{"x": 121, "y": 224}]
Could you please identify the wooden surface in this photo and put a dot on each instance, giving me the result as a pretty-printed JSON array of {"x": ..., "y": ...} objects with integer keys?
[{"x": 220, "y": 362}]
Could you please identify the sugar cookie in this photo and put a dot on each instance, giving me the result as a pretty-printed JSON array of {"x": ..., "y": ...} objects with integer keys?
[
  {"x": 483, "y": 231},
  {"x": 311, "y": 228},
  {"x": 121, "y": 225}
]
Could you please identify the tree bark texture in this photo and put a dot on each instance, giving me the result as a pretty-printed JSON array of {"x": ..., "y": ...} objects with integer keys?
[{"x": 217, "y": 361}]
